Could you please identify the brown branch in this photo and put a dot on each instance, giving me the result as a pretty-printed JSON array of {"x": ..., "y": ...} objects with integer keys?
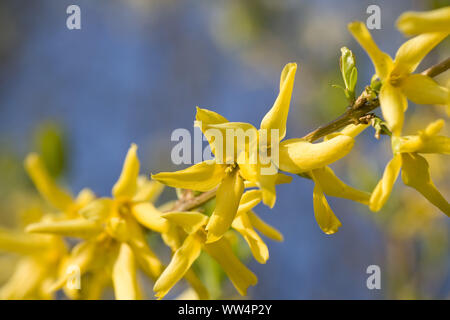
[
  {"x": 359, "y": 112},
  {"x": 363, "y": 105}
]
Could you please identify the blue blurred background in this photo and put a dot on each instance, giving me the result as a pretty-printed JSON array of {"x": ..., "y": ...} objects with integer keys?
[{"x": 137, "y": 69}]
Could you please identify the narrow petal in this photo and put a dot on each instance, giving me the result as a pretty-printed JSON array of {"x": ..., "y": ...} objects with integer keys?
[
  {"x": 237, "y": 138},
  {"x": 124, "y": 275},
  {"x": 298, "y": 155},
  {"x": 416, "y": 174},
  {"x": 383, "y": 189},
  {"x": 20, "y": 243},
  {"x": 147, "y": 190},
  {"x": 411, "y": 23},
  {"x": 181, "y": 262},
  {"x": 267, "y": 185},
  {"x": 265, "y": 229},
  {"x": 228, "y": 197},
  {"x": 422, "y": 89},
  {"x": 259, "y": 249},
  {"x": 200, "y": 290},
  {"x": 146, "y": 258},
  {"x": 381, "y": 61},
  {"x": 325, "y": 217},
  {"x": 150, "y": 217},
  {"x": 411, "y": 53},
  {"x": 393, "y": 105},
  {"x": 276, "y": 118},
  {"x": 50, "y": 191},
  {"x": 81, "y": 228},
  {"x": 202, "y": 176},
  {"x": 189, "y": 221},
  {"x": 205, "y": 118},
  {"x": 239, "y": 274},
  {"x": 418, "y": 143},
  {"x": 249, "y": 200},
  {"x": 333, "y": 186},
  {"x": 26, "y": 280},
  {"x": 126, "y": 186},
  {"x": 98, "y": 210},
  {"x": 84, "y": 197}
]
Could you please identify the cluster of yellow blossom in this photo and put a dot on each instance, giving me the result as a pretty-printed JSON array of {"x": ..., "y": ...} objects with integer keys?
[{"x": 112, "y": 242}]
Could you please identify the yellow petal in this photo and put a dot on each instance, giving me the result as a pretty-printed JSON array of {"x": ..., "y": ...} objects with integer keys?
[
  {"x": 411, "y": 53},
  {"x": 26, "y": 280},
  {"x": 228, "y": 197},
  {"x": 411, "y": 23},
  {"x": 325, "y": 217},
  {"x": 202, "y": 176},
  {"x": 422, "y": 89},
  {"x": 434, "y": 127},
  {"x": 249, "y": 200},
  {"x": 126, "y": 186},
  {"x": 204, "y": 118},
  {"x": 259, "y": 249},
  {"x": 298, "y": 155},
  {"x": 147, "y": 190},
  {"x": 181, "y": 261},
  {"x": 381, "y": 61},
  {"x": 146, "y": 258},
  {"x": 148, "y": 216},
  {"x": 267, "y": 230},
  {"x": 124, "y": 275},
  {"x": 433, "y": 144},
  {"x": 200, "y": 290},
  {"x": 239, "y": 274},
  {"x": 189, "y": 221},
  {"x": 55, "y": 195},
  {"x": 384, "y": 187},
  {"x": 84, "y": 197},
  {"x": 98, "y": 210},
  {"x": 353, "y": 130},
  {"x": 83, "y": 256},
  {"x": 277, "y": 116},
  {"x": 81, "y": 228},
  {"x": 332, "y": 186},
  {"x": 393, "y": 105},
  {"x": 16, "y": 242},
  {"x": 237, "y": 138},
  {"x": 416, "y": 174},
  {"x": 267, "y": 186}
]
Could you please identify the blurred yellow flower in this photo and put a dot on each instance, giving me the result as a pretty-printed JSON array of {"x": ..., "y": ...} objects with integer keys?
[{"x": 412, "y": 23}]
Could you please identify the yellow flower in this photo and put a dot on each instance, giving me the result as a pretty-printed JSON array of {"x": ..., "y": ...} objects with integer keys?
[
  {"x": 229, "y": 169},
  {"x": 41, "y": 255},
  {"x": 194, "y": 224},
  {"x": 313, "y": 161},
  {"x": 398, "y": 82},
  {"x": 115, "y": 242},
  {"x": 412, "y": 23},
  {"x": 36, "y": 269},
  {"x": 415, "y": 169}
]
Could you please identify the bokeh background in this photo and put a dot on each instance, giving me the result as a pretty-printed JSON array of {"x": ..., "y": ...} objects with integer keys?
[{"x": 137, "y": 69}]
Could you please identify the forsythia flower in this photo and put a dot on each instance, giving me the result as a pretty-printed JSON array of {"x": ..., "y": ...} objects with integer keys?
[
  {"x": 412, "y": 23},
  {"x": 42, "y": 254},
  {"x": 115, "y": 241},
  {"x": 194, "y": 224},
  {"x": 415, "y": 169},
  {"x": 327, "y": 183},
  {"x": 398, "y": 82},
  {"x": 228, "y": 172}
]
